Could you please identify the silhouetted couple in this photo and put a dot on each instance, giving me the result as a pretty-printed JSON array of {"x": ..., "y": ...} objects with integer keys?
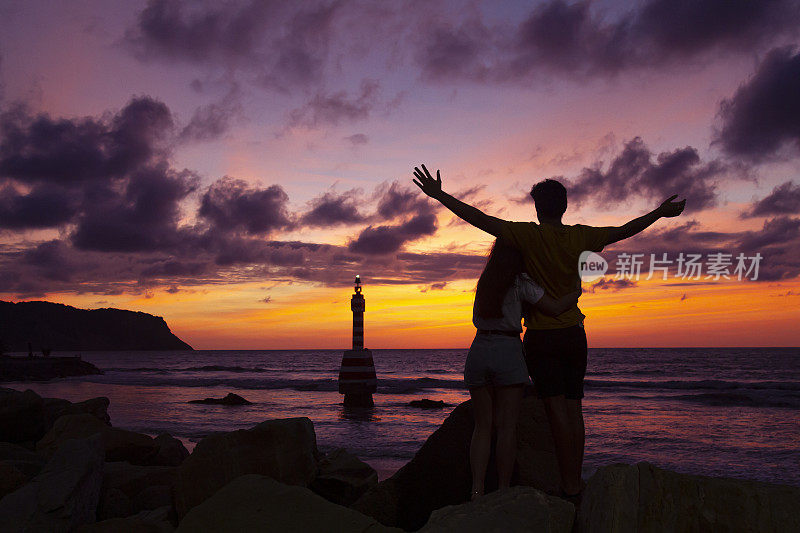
[{"x": 533, "y": 271}]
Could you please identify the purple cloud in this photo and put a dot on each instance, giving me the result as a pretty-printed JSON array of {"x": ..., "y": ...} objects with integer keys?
[
  {"x": 331, "y": 109},
  {"x": 763, "y": 115},
  {"x": 232, "y": 205},
  {"x": 633, "y": 172},
  {"x": 783, "y": 200},
  {"x": 332, "y": 209}
]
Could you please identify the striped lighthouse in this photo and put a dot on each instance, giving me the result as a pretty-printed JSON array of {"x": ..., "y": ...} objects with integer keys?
[{"x": 357, "y": 379}]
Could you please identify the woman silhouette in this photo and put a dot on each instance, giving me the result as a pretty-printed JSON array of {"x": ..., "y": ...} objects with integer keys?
[{"x": 495, "y": 370}]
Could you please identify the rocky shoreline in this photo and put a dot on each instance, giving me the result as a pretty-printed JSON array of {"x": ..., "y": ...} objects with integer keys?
[
  {"x": 64, "y": 467},
  {"x": 13, "y": 368}
]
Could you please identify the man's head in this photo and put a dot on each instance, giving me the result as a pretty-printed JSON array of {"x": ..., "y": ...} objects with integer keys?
[{"x": 550, "y": 198}]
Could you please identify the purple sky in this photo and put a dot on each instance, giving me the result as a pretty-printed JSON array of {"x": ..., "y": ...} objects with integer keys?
[{"x": 164, "y": 145}]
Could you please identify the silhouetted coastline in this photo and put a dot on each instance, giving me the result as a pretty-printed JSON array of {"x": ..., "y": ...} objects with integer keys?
[{"x": 45, "y": 326}]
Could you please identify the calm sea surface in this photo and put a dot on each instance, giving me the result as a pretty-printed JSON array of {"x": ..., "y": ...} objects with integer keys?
[{"x": 714, "y": 411}]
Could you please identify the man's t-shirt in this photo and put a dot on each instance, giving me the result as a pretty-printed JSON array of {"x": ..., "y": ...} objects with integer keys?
[{"x": 551, "y": 258}]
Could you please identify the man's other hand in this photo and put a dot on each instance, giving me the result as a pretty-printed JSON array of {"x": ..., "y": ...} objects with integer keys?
[{"x": 669, "y": 208}]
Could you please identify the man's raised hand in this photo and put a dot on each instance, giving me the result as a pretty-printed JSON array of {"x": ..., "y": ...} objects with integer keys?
[
  {"x": 431, "y": 187},
  {"x": 669, "y": 208}
]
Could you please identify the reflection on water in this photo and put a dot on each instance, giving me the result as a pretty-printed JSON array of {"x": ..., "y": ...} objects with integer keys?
[{"x": 690, "y": 410}]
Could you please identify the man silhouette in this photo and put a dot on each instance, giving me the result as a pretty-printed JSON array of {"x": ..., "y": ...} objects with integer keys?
[{"x": 555, "y": 347}]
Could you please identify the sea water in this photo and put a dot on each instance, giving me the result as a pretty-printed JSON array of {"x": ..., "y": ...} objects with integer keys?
[{"x": 712, "y": 411}]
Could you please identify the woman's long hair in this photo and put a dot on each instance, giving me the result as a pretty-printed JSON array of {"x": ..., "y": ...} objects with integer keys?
[{"x": 502, "y": 267}]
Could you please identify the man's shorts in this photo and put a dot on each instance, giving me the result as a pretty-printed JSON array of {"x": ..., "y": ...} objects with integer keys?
[
  {"x": 495, "y": 360},
  {"x": 556, "y": 360}
]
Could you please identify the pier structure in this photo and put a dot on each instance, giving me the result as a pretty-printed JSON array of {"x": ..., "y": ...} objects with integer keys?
[{"x": 357, "y": 380}]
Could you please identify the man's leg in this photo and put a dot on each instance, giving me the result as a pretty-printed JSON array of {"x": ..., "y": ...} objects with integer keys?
[
  {"x": 568, "y": 438},
  {"x": 575, "y": 415}
]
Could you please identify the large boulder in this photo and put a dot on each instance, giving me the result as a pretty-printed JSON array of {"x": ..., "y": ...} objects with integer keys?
[
  {"x": 63, "y": 496},
  {"x": 439, "y": 473},
  {"x": 343, "y": 478},
  {"x": 171, "y": 451},
  {"x": 155, "y": 521},
  {"x": 54, "y": 408},
  {"x": 25, "y": 461},
  {"x": 21, "y": 416},
  {"x": 285, "y": 450},
  {"x": 645, "y": 498},
  {"x": 254, "y": 503},
  {"x": 120, "y": 444},
  {"x": 505, "y": 511},
  {"x": 25, "y": 416},
  {"x": 133, "y": 479}
]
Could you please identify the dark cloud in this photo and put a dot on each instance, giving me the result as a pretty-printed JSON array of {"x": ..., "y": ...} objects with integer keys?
[
  {"x": 633, "y": 172},
  {"x": 576, "y": 39},
  {"x": 143, "y": 217},
  {"x": 388, "y": 239},
  {"x": 42, "y": 207},
  {"x": 331, "y": 109},
  {"x": 779, "y": 230},
  {"x": 232, "y": 205},
  {"x": 332, "y": 209},
  {"x": 212, "y": 121},
  {"x": 763, "y": 115},
  {"x": 219, "y": 33},
  {"x": 614, "y": 285},
  {"x": 399, "y": 200},
  {"x": 71, "y": 152},
  {"x": 783, "y": 200},
  {"x": 282, "y": 44}
]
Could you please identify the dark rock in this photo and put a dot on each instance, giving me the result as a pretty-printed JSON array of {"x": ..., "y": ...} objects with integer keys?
[
  {"x": 25, "y": 416},
  {"x": 114, "y": 504},
  {"x": 643, "y": 497},
  {"x": 171, "y": 451},
  {"x": 11, "y": 478},
  {"x": 44, "y": 368},
  {"x": 62, "y": 327},
  {"x": 133, "y": 479},
  {"x": 427, "y": 404},
  {"x": 63, "y": 496},
  {"x": 439, "y": 473},
  {"x": 230, "y": 399},
  {"x": 514, "y": 509},
  {"x": 155, "y": 521},
  {"x": 120, "y": 444},
  {"x": 253, "y": 503},
  {"x": 285, "y": 450},
  {"x": 153, "y": 497},
  {"x": 21, "y": 416},
  {"x": 342, "y": 477},
  {"x": 55, "y": 408}
]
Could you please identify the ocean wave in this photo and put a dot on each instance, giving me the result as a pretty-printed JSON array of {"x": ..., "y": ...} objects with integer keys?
[
  {"x": 152, "y": 378},
  {"x": 704, "y": 384},
  {"x": 738, "y": 399}
]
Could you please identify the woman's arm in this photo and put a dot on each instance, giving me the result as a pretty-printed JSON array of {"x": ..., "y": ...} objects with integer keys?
[{"x": 550, "y": 306}]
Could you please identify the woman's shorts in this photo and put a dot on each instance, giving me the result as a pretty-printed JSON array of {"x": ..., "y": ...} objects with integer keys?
[{"x": 495, "y": 360}]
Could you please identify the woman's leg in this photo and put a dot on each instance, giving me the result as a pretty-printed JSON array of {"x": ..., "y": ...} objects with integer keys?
[
  {"x": 506, "y": 412},
  {"x": 480, "y": 446}
]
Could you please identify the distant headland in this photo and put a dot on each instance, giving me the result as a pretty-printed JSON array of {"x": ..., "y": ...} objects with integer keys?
[{"x": 43, "y": 327}]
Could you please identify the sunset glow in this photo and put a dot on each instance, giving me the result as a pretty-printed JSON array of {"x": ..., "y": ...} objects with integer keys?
[{"x": 235, "y": 186}]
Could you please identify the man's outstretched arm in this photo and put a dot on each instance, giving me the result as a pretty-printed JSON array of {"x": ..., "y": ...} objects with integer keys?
[
  {"x": 476, "y": 217},
  {"x": 668, "y": 209}
]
